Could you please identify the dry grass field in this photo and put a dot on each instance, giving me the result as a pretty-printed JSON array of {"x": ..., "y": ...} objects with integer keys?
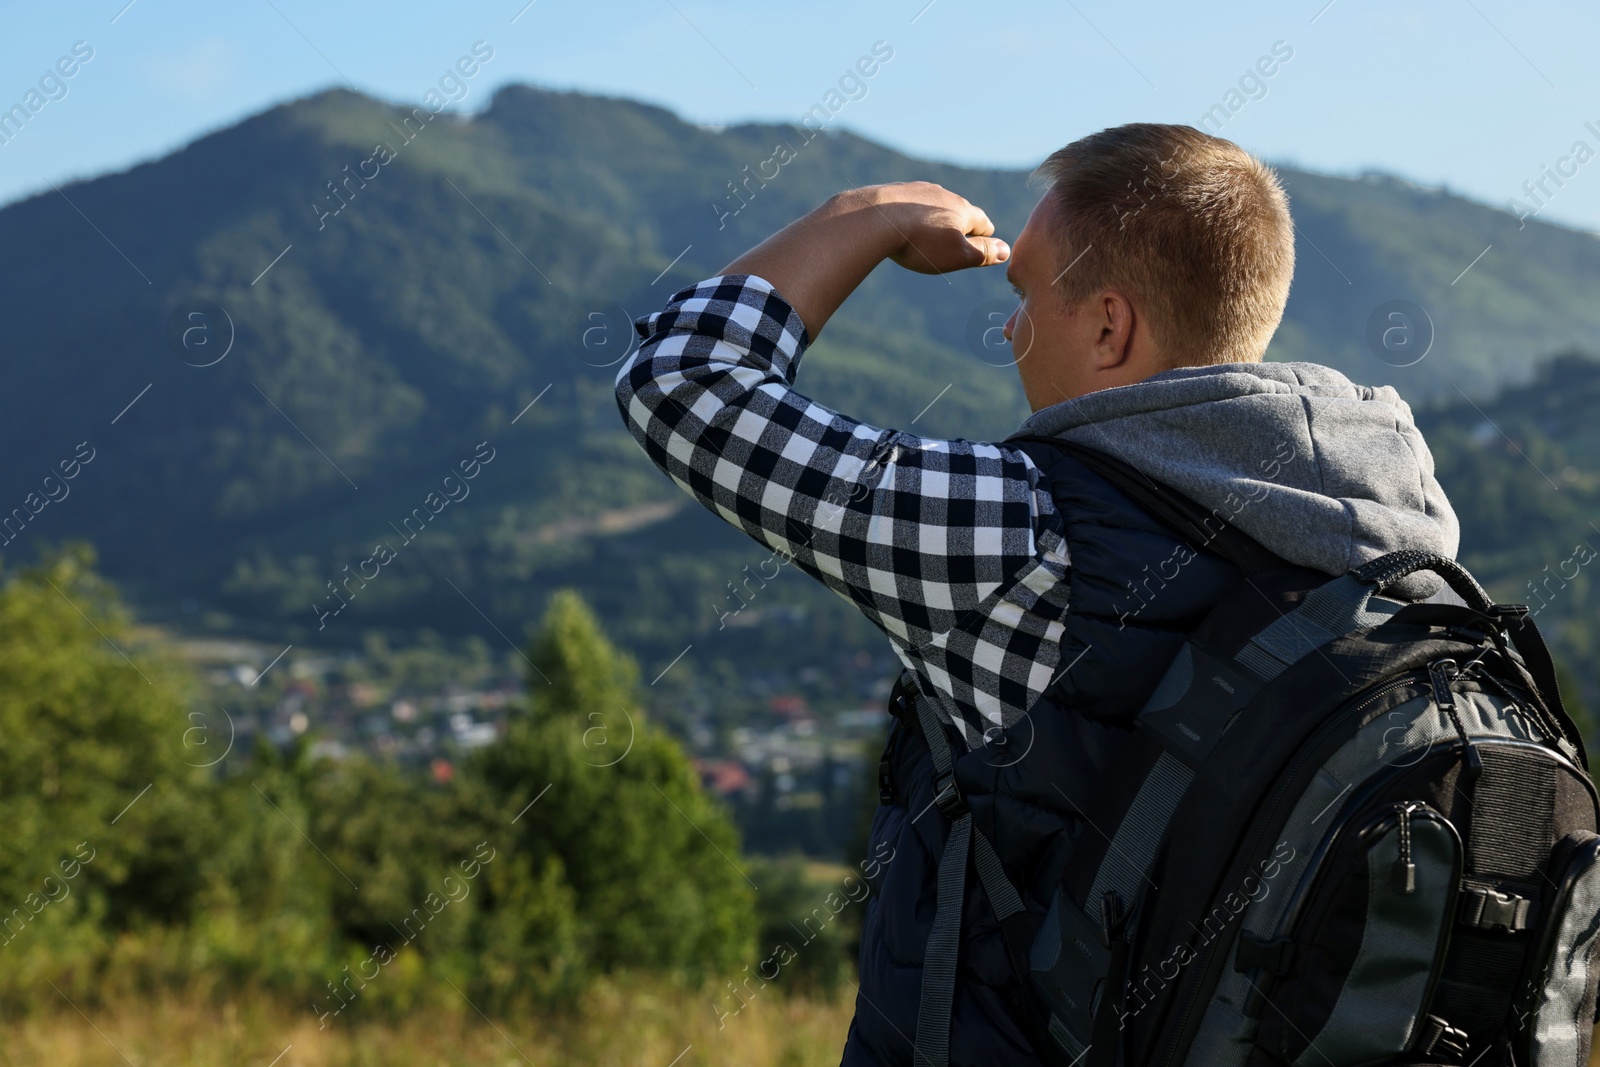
[{"x": 636, "y": 1027}]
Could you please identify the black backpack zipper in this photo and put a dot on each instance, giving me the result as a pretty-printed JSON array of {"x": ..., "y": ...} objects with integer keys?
[{"x": 1403, "y": 875}]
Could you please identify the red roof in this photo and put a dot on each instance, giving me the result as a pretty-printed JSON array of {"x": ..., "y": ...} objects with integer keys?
[
  {"x": 790, "y": 707},
  {"x": 723, "y": 776}
]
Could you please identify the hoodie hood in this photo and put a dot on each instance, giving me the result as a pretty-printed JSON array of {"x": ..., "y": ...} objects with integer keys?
[{"x": 1326, "y": 473}]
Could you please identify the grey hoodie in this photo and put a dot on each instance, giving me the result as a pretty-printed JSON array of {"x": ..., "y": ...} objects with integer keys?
[{"x": 1359, "y": 481}]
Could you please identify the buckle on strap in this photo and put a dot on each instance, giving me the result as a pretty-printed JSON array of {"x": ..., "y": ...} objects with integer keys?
[
  {"x": 1274, "y": 957},
  {"x": 1510, "y": 612},
  {"x": 947, "y": 796},
  {"x": 1490, "y": 909},
  {"x": 1439, "y": 1040},
  {"x": 900, "y": 704}
]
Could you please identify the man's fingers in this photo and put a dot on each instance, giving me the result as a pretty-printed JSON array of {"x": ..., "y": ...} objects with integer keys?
[
  {"x": 943, "y": 231},
  {"x": 978, "y": 224},
  {"x": 991, "y": 249}
]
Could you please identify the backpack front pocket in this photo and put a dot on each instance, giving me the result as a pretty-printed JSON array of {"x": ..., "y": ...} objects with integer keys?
[{"x": 1350, "y": 982}]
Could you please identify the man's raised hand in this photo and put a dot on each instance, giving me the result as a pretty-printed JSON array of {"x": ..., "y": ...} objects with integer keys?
[
  {"x": 940, "y": 232},
  {"x": 817, "y": 261}
]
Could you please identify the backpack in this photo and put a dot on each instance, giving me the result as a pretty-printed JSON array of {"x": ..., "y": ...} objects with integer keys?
[{"x": 1344, "y": 830}]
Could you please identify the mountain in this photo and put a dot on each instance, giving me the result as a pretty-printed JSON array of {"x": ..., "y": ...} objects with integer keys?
[
  {"x": 268, "y": 353},
  {"x": 1523, "y": 471}
]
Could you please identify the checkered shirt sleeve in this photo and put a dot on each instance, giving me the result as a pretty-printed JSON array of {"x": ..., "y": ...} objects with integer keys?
[{"x": 953, "y": 548}]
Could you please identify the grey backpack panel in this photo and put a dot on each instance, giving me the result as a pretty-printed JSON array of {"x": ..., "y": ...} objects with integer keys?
[{"x": 1563, "y": 1002}]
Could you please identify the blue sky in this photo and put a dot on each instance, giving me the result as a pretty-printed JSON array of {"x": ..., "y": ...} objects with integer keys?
[{"x": 1475, "y": 95}]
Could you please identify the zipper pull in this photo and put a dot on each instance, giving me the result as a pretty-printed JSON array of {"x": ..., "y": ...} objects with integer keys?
[
  {"x": 1440, "y": 673},
  {"x": 1111, "y": 918},
  {"x": 1403, "y": 875}
]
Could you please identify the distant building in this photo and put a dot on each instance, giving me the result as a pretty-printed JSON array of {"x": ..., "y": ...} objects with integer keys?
[
  {"x": 724, "y": 777},
  {"x": 789, "y": 707}
]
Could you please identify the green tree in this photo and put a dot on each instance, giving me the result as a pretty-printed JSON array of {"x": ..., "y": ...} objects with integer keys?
[
  {"x": 397, "y": 841},
  {"x": 96, "y": 800},
  {"x": 585, "y": 794},
  {"x": 267, "y": 918},
  {"x": 1577, "y": 707},
  {"x": 94, "y": 739}
]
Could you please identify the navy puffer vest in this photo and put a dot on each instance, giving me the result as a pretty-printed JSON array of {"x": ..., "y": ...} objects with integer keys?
[{"x": 1137, "y": 590}]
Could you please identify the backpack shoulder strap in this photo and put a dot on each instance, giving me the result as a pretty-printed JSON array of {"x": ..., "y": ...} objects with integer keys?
[
  {"x": 940, "y": 957},
  {"x": 1172, "y": 509}
]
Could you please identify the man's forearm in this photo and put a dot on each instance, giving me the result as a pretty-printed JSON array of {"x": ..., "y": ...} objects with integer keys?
[{"x": 818, "y": 260}]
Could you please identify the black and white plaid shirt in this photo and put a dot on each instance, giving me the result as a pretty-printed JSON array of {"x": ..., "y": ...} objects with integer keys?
[{"x": 953, "y": 548}]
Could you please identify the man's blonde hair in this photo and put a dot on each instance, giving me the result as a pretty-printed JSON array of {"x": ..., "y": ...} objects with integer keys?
[{"x": 1195, "y": 229}]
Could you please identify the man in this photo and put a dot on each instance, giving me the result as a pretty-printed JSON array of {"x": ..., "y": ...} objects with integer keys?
[{"x": 1150, "y": 277}]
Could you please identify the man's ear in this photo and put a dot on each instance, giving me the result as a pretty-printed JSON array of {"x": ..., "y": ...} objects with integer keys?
[{"x": 1116, "y": 316}]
